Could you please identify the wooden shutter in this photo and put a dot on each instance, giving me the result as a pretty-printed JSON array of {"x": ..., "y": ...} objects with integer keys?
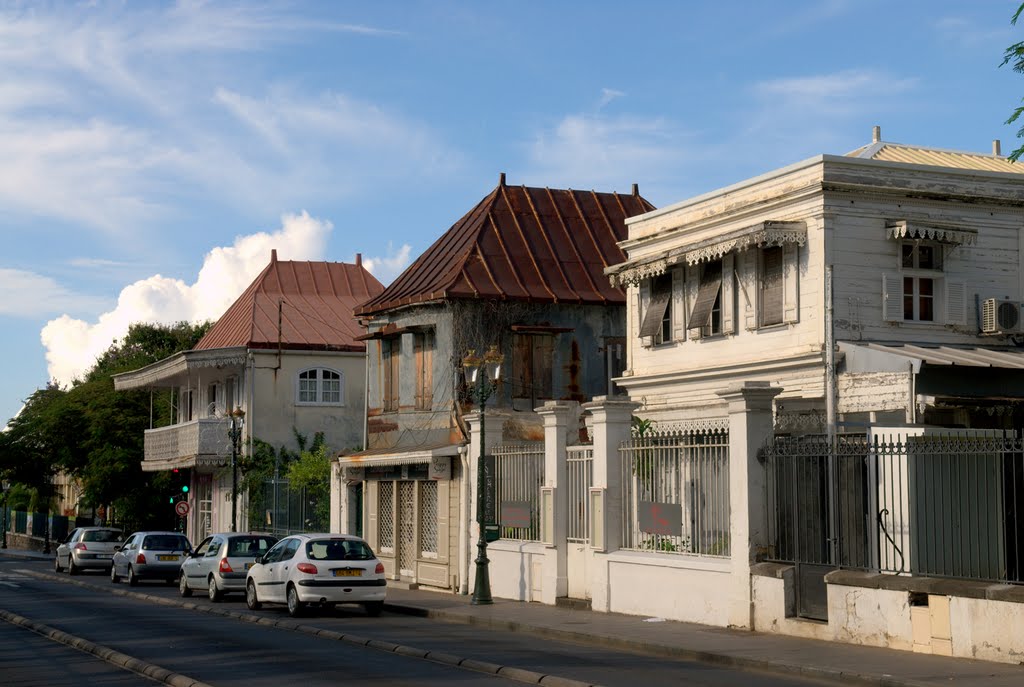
[
  {"x": 707, "y": 293},
  {"x": 748, "y": 288},
  {"x": 655, "y": 312},
  {"x": 424, "y": 344},
  {"x": 728, "y": 294},
  {"x": 678, "y": 304},
  {"x": 892, "y": 298},
  {"x": 790, "y": 279},
  {"x": 543, "y": 352},
  {"x": 771, "y": 286},
  {"x": 956, "y": 302}
]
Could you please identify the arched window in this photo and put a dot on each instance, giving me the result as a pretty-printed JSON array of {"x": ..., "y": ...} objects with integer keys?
[{"x": 319, "y": 386}]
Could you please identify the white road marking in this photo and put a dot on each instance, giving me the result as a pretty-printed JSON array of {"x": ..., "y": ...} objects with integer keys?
[{"x": 9, "y": 584}]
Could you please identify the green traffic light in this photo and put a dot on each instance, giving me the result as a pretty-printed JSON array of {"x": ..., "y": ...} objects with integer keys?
[
  {"x": 184, "y": 489},
  {"x": 170, "y": 500}
]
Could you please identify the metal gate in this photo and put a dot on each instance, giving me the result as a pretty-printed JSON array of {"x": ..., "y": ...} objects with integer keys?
[
  {"x": 204, "y": 503},
  {"x": 579, "y": 477},
  {"x": 406, "y": 529}
]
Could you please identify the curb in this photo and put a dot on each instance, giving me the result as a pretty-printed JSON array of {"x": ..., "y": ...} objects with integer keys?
[
  {"x": 509, "y": 672},
  {"x": 107, "y": 654}
]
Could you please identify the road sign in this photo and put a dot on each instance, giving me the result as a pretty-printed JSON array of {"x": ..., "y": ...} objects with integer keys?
[{"x": 181, "y": 508}]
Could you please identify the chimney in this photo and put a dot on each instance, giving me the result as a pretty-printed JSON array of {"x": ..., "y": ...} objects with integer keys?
[
  {"x": 359, "y": 259},
  {"x": 996, "y": 148},
  {"x": 273, "y": 255},
  {"x": 636, "y": 190},
  {"x": 876, "y": 134},
  {"x": 501, "y": 180}
]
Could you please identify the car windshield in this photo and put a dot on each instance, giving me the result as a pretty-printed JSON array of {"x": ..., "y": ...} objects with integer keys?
[
  {"x": 164, "y": 542},
  {"x": 338, "y": 550},
  {"x": 249, "y": 546},
  {"x": 105, "y": 536}
]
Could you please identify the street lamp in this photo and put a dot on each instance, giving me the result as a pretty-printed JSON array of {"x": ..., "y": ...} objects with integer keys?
[
  {"x": 482, "y": 377},
  {"x": 235, "y": 432}
]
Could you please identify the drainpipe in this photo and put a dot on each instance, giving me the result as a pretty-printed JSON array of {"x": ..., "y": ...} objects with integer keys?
[
  {"x": 830, "y": 358},
  {"x": 464, "y": 552}
]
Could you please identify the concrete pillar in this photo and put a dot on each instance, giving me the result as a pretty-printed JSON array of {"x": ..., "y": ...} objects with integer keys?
[
  {"x": 491, "y": 426},
  {"x": 554, "y": 508},
  {"x": 750, "y": 426},
  {"x": 339, "y": 499}
]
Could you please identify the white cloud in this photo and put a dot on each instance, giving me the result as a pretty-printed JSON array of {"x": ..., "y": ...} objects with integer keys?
[
  {"x": 390, "y": 266},
  {"x": 72, "y": 345},
  {"x": 38, "y": 294},
  {"x": 608, "y": 95},
  {"x": 841, "y": 86}
]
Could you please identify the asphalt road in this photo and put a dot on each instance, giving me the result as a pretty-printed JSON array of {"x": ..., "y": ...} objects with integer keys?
[{"x": 226, "y": 651}]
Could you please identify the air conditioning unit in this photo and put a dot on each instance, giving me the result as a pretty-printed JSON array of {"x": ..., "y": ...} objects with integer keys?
[{"x": 1001, "y": 316}]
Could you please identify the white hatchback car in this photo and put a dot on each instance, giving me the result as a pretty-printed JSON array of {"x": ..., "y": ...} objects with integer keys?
[
  {"x": 220, "y": 562},
  {"x": 320, "y": 569}
]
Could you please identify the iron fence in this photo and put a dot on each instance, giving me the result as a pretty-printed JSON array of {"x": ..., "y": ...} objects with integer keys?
[
  {"x": 278, "y": 509},
  {"x": 579, "y": 468},
  {"x": 519, "y": 472},
  {"x": 675, "y": 492},
  {"x": 945, "y": 505}
]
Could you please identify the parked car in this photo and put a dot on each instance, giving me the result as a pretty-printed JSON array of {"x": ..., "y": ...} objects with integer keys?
[
  {"x": 220, "y": 563},
  {"x": 321, "y": 569},
  {"x": 148, "y": 555},
  {"x": 87, "y": 548}
]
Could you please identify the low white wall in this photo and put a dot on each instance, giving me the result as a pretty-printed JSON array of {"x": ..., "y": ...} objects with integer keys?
[
  {"x": 773, "y": 602},
  {"x": 875, "y": 617},
  {"x": 673, "y": 587},
  {"x": 515, "y": 569},
  {"x": 985, "y": 629}
]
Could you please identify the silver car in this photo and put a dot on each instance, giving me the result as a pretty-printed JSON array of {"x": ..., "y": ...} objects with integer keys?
[
  {"x": 148, "y": 555},
  {"x": 220, "y": 562},
  {"x": 87, "y": 548}
]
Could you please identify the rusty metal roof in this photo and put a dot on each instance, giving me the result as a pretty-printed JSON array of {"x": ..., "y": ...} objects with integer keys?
[
  {"x": 917, "y": 155},
  {"x": 297, "y": 305},
  {"x": 523, "y": 243}
]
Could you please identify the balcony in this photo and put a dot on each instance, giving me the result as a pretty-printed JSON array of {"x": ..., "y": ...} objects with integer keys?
[{"x": 188, "y": 445}]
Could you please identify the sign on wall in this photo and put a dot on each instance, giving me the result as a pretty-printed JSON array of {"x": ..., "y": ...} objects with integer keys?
[
  {"x": 516, "y": 514},
  {"x": 661, "y": 518}
]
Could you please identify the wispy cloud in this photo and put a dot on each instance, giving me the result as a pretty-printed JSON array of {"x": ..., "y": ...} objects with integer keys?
[
  {"x": 388, "y": 267},
  {"x": 38, "y": 295},
  {"x": 844, "y": 87},
  {"x": 608, "y": 95}
]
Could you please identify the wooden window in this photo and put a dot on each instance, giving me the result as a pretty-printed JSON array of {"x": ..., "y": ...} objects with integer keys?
[
  {"x": 531, "y": 366},
  {"x": 657, "y": 322},
  {"x": 391, "y": 350},
  {"x": 771, "y": 286},
  {"x": 424, "y": 344},
  {"x": 707, "y": 309},
  {"x": 911, "y": 296}
]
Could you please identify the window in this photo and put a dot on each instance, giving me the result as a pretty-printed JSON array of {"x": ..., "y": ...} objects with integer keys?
[
  {"x": 230, "y": 401},
  {"x": 391, "y": 350},
  {"x": 771, "y": 287},
  {"x": 424, "y": 345},
  {"x": 319, "y": 386},
  {"x": 214, "y": 399},
  {"x": 919, "y": 291},
  {"x": 657, "y": 322},
  {"x": 914, "y": 293},
  {"x": 614, "y": 363},
  {"x": 707, "y": 308},
  {"x": 531, "y": 366}
]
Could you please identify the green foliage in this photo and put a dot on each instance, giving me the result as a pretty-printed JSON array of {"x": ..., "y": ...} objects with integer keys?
[
  {"x": 1014, "y": 55},
  {"x": 312, "y": 472}
]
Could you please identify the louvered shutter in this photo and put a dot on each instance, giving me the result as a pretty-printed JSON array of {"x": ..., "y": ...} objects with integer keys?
[
  {"x": 748, "y": 288},
  {"x": 956, "y": 302},
  {"x": 707, "y": 294},
  {"x": 772, "y": 287},
  {"x": 791, "y": 290},
  {"x": 728, "y": 294},
  {"x": 892, "y": 298},
  {"x": 655, "y": 313}
]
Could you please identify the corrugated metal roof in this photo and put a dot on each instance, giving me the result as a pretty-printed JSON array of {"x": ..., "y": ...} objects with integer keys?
[
  {"x": 917, "y": 155},
  {"x": 522, "y": 243},
  {"x": 295, "y": 304},
  {"x": 968, "y": 356}
]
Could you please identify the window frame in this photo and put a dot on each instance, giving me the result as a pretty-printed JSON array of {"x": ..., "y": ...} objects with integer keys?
[
  {"x": 658, "y": 330},
  {"x": 911, "y": 278},
  {"x": 533, "y": 365},
  {"x": 778, "y": 285},
  {"x": 319, "y": 384}
]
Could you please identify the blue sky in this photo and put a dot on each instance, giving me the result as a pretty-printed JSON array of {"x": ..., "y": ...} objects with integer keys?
[{"x": 153, "y": 153}]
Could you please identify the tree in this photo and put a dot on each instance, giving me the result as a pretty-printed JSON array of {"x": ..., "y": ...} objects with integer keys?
[{"x": 1014, "y": 55}]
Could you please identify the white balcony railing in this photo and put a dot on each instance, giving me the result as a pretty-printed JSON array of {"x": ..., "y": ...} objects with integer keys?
[{"x": 187, "y": 445}]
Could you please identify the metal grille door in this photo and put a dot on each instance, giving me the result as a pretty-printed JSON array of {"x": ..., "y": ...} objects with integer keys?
[
  {"x": 406, "y": 528},
  {"x": 580, "y": 472},
  {"x": 428, "y": 519},
  {"x": 386, "y": 511}
]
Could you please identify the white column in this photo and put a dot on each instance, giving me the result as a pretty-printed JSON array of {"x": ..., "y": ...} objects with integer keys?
[
  {"x": 493, "y": 426},
  {"x": 553, "y": 505},
  {"x": 339, "y": 499},
  {"x": 750, "y": 426}
]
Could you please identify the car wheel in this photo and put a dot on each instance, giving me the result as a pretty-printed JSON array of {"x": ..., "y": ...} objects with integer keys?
[
  {"x": 250, "y": 597},
  {"x": 213, "y": 591},
  {"x": 56, "y": 565},
  {"x": 295, "y": 607},
  {"x": 133, "y": 581},
  {"x": 374, "y": 608},
  {"x": 72, "y": 568},
  {"x": 114, "y": 577},
  {"x": 183, "y": 587}
]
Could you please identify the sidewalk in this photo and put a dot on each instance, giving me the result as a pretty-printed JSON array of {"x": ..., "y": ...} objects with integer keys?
[{"x": 733, "y": 648}]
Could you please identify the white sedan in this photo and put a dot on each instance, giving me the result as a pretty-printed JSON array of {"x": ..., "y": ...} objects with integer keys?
[{"x": 319, "y": 569}]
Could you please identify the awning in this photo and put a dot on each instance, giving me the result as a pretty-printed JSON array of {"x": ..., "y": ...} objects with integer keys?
[
  {"x": 873, "y": 357},
  {"x": 770, "y": 233},
  {"x": 394, "y": 456},
  {"x": 906, "y": 229}
]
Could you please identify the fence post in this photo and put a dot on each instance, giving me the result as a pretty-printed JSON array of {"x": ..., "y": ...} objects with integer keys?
[
  {"x": 554, "y": 506},
  {"x": 612, "y": 418},
  {"x": 493, "y": 429},
  {"x": 750, "y": 426}
]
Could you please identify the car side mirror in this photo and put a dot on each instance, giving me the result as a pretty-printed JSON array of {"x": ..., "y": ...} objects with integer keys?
[{"x": 117, "y": 548}]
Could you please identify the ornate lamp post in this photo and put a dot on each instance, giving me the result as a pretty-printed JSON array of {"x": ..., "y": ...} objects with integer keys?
[
  {"x": 482, "y": 377},
  {"x": 235, "y": 432}
]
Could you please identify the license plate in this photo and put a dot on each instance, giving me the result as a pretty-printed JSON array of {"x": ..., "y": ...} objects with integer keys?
[
  {"x": 348, "y": 573},
  {"x": 167, "y": 558},
  {"x": 249, "y": 565}
]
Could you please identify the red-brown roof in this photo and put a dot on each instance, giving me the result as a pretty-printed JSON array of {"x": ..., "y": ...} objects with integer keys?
[
  {"x": 522, "y": 243},
  {"x": 297, "y": 305}
]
